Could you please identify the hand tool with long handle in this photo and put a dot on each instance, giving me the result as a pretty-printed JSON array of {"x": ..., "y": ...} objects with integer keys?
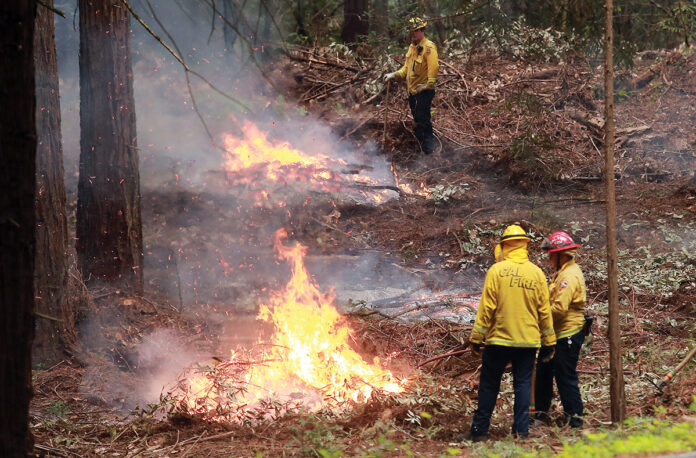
[
  {"x": 670, "y": 375},
  {"x": 386, "y": 113}
]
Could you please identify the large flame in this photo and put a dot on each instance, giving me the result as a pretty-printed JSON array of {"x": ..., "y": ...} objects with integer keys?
[
  {"x": 254, "y": 149},
  {"x": 254, "y": 155},
  {"x": 310, "y": 357}
]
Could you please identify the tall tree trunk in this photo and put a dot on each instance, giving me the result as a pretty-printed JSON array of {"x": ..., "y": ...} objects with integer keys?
[
  {"x": 379, "y": 18},
  {"x": 17, "y": 222},
  {"x": 51, "y": 229},
  {"x": 231, "y": 15},
  {"x": 109, "y": 231},
  {"x": 616, "y": 382},
  {"x": 355, "y": 21}
]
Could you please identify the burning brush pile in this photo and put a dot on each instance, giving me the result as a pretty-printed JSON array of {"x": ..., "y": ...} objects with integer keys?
[
  {"x": 272, "y": 169},
  {"x": 308, "y": 360}
]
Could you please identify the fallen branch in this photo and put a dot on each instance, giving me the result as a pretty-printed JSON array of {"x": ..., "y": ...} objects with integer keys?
[{"x": 445, "y": 355}]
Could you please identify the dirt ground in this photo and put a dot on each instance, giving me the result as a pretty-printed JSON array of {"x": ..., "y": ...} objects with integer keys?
[{"x": 484, "y": 114}]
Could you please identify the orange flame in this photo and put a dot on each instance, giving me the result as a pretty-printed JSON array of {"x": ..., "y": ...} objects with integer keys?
[
  {"x": 255, "y": 149},
  {"x": 310, "y": 356}
]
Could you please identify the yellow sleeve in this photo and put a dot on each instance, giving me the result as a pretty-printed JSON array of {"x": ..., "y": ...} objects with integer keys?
[
  {"x": 563, "y": 296},
  {"x": 548, "y": 336},
  {"x": 401, "y": 74},
  {"x": 433, "y": 67},
  {"x": 486, "y": 309}
]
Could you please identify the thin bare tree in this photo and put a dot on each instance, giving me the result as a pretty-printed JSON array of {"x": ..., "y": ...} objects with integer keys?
[{"x": 616, "y": 381}]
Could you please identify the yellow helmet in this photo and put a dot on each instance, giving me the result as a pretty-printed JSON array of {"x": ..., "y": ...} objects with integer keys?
[
  {"x": 514, "y": 232},
  {"x": 416, "y": 23}
]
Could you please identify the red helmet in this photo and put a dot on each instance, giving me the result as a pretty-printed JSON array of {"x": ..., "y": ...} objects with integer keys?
[{"x": 558, "y": 241}]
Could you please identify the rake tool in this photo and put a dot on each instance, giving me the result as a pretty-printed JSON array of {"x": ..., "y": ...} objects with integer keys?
[
  {"x": 386, "y": 114},
  {"x": 670, "y": 375}
]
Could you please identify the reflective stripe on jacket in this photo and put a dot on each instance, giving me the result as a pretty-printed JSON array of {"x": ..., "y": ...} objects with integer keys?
[
  {"x": 568, "y": 298},
  {"x": 514, "y": 309},
  {"x": 421, "y": 67}
]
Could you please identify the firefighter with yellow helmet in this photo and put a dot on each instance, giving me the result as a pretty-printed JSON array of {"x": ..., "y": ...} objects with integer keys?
[
  {"x": 513, "y": 321},
  {"x": 568, "y": 297},
  {"x": 420, "y": 73}
]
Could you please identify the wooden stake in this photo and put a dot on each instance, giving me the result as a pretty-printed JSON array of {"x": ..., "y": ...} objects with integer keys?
[
  {"x": 616, "y": 381},
  {"x": 386, "y": 113}
]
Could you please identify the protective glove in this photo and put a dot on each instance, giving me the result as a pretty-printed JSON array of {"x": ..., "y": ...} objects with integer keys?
[
  {"x": 475, "y": 348},
  {"x": 390, "y": 76},
  {"x": 546, "y": 353},
  {"x": 421, "y": 87}
]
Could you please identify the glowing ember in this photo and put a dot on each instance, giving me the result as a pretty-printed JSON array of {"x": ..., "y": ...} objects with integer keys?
[{"x": 309, "y": 358}]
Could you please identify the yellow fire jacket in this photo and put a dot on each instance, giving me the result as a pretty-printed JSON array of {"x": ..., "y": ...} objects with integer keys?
[
  {"x": 568, "y": 299},
  {"x": 421, "y": 66},
  {"x": 514, "y": 309}
]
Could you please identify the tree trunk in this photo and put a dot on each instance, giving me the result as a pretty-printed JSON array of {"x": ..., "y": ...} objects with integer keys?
[
  {"x": 51, "y": 229},
  {"x": 379, "y": 18},
  {"x": 17, "y": 222},
  {"x": 109, "y": 231},
  {"x": 616, "y": 382},
  {"x": 355, "y": 21},
  {"x": 231, "y": 15}
]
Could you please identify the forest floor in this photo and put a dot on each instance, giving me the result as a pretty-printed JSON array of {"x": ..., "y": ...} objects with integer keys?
[{"x": 522, "y": 143}]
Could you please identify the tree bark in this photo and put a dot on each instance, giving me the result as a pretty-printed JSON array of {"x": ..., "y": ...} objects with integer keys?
[
  {"x": 231, "y": 15},
  {"x": 379, "y": 17},
  {"x": 355, "y": 21},
  {"x": 109, "y": 230},
  {"x": 17, "y": 222},
  {"x": 616, "y": 381},
  {"x": 50, "y": 268}
]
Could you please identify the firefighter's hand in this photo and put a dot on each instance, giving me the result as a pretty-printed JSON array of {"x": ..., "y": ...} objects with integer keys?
[
  {"x": 390, "y": 76},
  {"x": 546, "y": 353},
  {"x": 475, "y": 348},
  {"x": 421, "y": 87}
]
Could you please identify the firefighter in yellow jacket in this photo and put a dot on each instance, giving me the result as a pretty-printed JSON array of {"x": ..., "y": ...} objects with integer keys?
[
  {"x": 420, "y": 72},
  {"x": 514, "y": 319},
  {"x": 568, "y": 298}
]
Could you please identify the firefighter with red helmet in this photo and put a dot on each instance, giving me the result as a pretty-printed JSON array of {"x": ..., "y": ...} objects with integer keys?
[
  {"x": 568, "y": 298},
  {"x": 513, "y": 321}
]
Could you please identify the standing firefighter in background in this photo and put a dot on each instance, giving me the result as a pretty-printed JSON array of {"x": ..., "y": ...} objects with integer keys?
[
  {"x": 568, "y": 298},
  {"x": 514, "y": 319},
  {"x": 420, "y": 73}
]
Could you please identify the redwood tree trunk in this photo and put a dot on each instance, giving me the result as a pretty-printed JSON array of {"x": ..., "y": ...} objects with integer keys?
[
  {"x": 109, "y": 231},
  {"x": 231, "y": 14},
  {"x": 355, "y": 21},
  {"x": 379, "y": 17},
  {"x": 51, "y": 228},
  {"x": 17, "y": 221}
]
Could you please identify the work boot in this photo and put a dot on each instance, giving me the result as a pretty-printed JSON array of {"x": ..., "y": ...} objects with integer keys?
[
  {"x": 468, "y": 436},
  {"x": 428, "y": 145},
  {"x": 539, "y": 419}
]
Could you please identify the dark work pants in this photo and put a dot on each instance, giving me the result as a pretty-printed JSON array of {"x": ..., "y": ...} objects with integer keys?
[
  {"x": 495, "y": 358},
  {"x": 563, "y": 367},
  {"x": 420, "y": 109}
]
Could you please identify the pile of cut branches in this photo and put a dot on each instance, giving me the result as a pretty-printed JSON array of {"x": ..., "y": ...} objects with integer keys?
[{"x": 538, "y": 121}]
